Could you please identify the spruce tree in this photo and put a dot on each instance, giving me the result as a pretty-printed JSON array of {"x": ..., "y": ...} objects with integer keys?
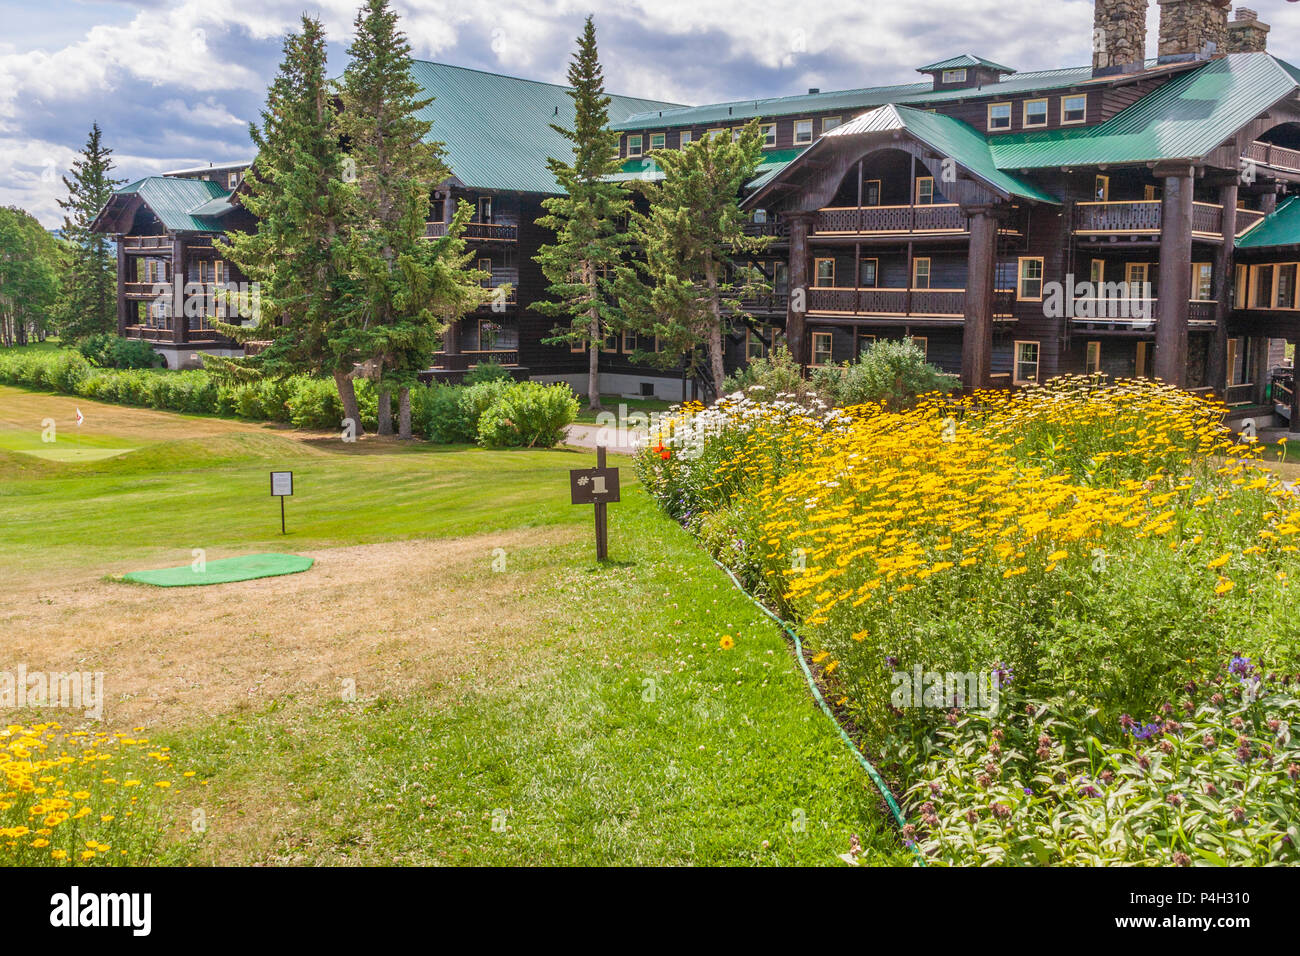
[
  {"x": 90, "y": 261},
  {"x": 296, "y": 191},
  {"x": 689, "y": 238},
  {"x": 406, "y": 288},
  {"x": 589, "y": 245}
]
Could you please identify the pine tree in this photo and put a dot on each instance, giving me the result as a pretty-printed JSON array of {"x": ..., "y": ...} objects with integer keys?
[
  {"x": 589, "y": 245},
  {"x": 296, "y": 191},
  {"x": 689, "y": 238},
  {"x": 90, "y": 262},
  {"x": 406, "y": 288},
  {"x": 29, "y": 276}
]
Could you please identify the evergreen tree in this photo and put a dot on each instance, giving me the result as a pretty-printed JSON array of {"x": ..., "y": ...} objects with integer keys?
[
  {"x": 689, "y": 237},
  {"x": 90, "y": 261},
  {"x": 296, "y": 191},
  {"x": 406, "y": 288},
  {"x": 580, "y": 265},
  {"x": 29, "y": 277}
]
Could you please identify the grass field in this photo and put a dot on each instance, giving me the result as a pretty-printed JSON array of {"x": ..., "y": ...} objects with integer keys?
[{"x": 456, "y": 680}]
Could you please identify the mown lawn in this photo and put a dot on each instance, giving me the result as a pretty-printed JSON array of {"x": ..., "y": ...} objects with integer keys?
[{"x": 603, "y": 724}]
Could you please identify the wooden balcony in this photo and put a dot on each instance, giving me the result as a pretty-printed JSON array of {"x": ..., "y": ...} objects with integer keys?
[
  {"x": 1142, "y": 219},
  {"x": 1134, "y": 314},
  {"x": 776, "y": 302},
  {"x": 478, "y": 231},
  {"x": 511, "y": 297},
  {"x": 463, "y": 361},
  {"x": 146, "y": 290},
  {"x": 939, "y": 219},
  {"x": 150, "y": 244},
  {"x": 879, "y": 303},
  {"x": 1275, "y": 157},
  {"x": 773, "y": 227}
]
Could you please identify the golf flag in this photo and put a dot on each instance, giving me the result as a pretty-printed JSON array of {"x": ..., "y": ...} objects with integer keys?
[{"x": 80, "y": 418}]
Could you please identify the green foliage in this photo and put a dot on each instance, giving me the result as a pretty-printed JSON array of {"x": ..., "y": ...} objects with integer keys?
[
  {"x": 486, "y": 372},
  {"x": 893, "y": 373},
  {"x": 313, "y": 403},
  {"x": 763, "y": 379},
  {"x": 528, "y": 415},
  {"x": 89, "y": 262},
  {"x": 1209, "y": 779},
  {"x": 107, "y": 350},
  {"x": 30, "y": 268}
]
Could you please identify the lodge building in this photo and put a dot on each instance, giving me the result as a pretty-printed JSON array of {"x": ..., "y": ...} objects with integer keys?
[{"x": 1135, "y": 216}]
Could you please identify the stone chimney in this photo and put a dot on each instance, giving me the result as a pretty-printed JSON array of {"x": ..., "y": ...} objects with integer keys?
[
  {"x": 1246, "y": 34},
  {"x": 1119, "y": 36},
  {"x": 1191, "y": 29}
]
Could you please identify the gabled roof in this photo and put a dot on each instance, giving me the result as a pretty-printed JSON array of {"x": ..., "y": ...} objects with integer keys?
[
  {"x": 497, "y": 129},
  {"x": 182, "y": 205},
  {"x": 942, "y": 134},
  {"x": 963, "y": 61},
  {"x": 1186, "y": 118},
  {"x": 1279, "y": 228}
]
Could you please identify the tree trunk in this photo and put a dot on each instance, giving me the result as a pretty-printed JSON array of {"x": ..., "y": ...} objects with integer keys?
[
  {"x": 593, "y": 361},
  {"x": 348, "y": 396},
  {"x": 385, "y": 412},
  {"x": 716, "y": 364},
  {"x": 404, "y": 413}
]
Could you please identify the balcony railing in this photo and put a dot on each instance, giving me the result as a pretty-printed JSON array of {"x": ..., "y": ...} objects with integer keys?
[
  {"x": 896, "y": 303},
  {"x": 774, "y": 227},
  {"x": 491, "y": 231},
  {"x": 940, "y": 218},
  {"x": 463, "y": 361},
  {"x": 1144, "y": 217},
  {"x": 1137, "y": 314},
  {"x": 776, "y": 302},
  {"x": 147, "y": 243},
  {"x": 1278, "y": 157}
]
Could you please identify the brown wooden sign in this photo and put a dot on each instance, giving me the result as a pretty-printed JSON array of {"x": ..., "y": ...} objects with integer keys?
[{"x": 596, "y": 486}]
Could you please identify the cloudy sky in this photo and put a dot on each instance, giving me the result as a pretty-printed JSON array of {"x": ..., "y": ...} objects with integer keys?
[{"x": 175, "y": 83}]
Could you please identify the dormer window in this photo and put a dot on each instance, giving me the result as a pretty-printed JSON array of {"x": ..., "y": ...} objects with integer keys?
[
  {"x": 953, "y": 76},
  {"x": 999, "y": 117},
  {"x": 232, "y": 180}
]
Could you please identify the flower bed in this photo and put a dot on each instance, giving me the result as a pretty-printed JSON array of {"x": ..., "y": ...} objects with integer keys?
[{"x": 1108, "y": 541}]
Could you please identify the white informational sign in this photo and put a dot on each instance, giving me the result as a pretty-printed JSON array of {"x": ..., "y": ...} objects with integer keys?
[{"x": 281, "y": 483}]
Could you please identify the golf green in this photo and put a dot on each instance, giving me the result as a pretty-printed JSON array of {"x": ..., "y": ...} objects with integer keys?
[{"x": 223, "y": 570}]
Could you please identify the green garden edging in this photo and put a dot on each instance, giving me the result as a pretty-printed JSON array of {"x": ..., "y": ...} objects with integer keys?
[{"x": 223, "y": 571}]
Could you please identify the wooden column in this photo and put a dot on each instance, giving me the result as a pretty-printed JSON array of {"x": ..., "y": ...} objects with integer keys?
[
  {"x": 977, "y": 331},
  {"x": 800, "y": 224},
  {"x": 1295, "y": 396},
  {"x": 1259, "y": 357},
  {"x": 1175, "y": 277},
  {"x": 122, "y": 279},
  {"x": 1216, "y": 366},
  {"x": 179, "y": 322},
  {"x": 451, "y": 338}
]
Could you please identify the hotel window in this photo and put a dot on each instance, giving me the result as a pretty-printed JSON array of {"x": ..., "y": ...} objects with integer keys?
[
  {"x": 684, "y": 138},
  {"x": 232, "y": 180},
  {"x": 920, "y": 273},
  {"x": 1137, "y": 275},
  {"x": 803, "y": 132},
  {"x": 1030, "y": 286},
  {"x": 1074, "y": 109},
  {"x": 1202, "y": 282},
  {"x": 1026, "y": 368},
  {"x": 1101, "y": 188},
  {"x": 781, "y": 278},
  {"x": 821, "y": 348},
  {"x": 1241, "y": 287},
  {"x": 824, "y": 272},
  {"x": 953, "y": 76},
  {"x": 1238, "y": 362},
  {"x": 999, "y": 116},
  {"x": 1261, "y": 294},
  {"x": 610, "y": 343},
  {"x": 870, "y": 273},
  {"x": 863, "y": 342},
  {"x": 1092, "y": 360},
  {"x": 485, "y": 265},
  {"x": 1097, "y": 275},
  {"x": 1140, "y": 360},
  {"x": 715, "y": 133},
  {"x": 1035, "y": 113},
  {"x": 768, "y": 131},
  {"x": 629, "y": 342},
  {"x": 925, "y": 190},
  {"x": 658, "y": 140},
  {"x": 830, "y": 122},
  {"x": 1286, "y": 286},
  {"x": 634, "y": 145},
  {"x": 871, "y": 192},
  {"x": 755, "y": 347},
  {"x": 485, "y": 209},
  {"x": 922, "y": 343}
]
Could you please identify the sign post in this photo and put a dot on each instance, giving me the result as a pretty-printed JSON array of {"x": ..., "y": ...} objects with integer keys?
[
  {"x": 596, "y": 486},
  {"x": 281, "y": 485}
]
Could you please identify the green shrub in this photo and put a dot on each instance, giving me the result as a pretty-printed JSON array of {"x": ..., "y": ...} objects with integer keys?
[
  {"x": 314, "y": 403},
  {"x": 528, "y": 414},
  {"x": 106, "y": 350},
  {"x": 763, "y": 379},
  {"x": 893, "y": 372},
  {"x": 436, "y": 414},
  {"x": 487, "y": 372}
]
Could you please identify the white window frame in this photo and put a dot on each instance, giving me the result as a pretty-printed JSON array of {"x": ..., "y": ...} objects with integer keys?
[
  {"x": 658, "y": 141},
  {"x": 830, "y": 122},
  {"x": 798, "y": 138},
  {"x": 1010, "y": 108},
  {"x": 1024, "y": 119},
  {"x": 830, "y": 349},
  {"x": 1065, "y": 109},
  {"x": 768, "y": 132},
  {"x": 1016, "y": 377},
  {"x": 953, "y": 76},
  {"x": 634, "y": 145}
]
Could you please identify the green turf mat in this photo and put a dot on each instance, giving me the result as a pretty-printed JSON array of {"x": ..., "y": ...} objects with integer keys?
[{"x": 223, "y": 571}]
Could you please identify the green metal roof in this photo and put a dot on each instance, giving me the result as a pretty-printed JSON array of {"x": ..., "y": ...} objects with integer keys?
[
  {"x": 1186, "y": 118},
  {"x": 177, "y": 202},
  {"x": 1279, "y": 228},
  {"x": 947, "y": 137},
  {"x": 497, "y": 129},
  {"x": 644, "y": 167},
  {"x": 964, "y": 60}
]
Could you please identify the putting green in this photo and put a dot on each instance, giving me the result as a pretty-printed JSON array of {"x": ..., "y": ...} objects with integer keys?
[{"x": 223, "y": 571}]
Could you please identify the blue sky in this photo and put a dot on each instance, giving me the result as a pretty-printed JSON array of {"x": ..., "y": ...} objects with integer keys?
[{"x": 175, "y": 83}]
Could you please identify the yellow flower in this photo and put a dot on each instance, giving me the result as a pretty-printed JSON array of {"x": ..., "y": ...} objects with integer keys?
[
  {"x": 1224, "y": 586},
  {"x": 726, "y": 643},
  {"x": 1219, "y": 562}
]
